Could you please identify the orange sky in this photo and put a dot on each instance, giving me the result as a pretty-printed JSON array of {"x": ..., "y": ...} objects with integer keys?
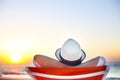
[
  {"x": 37, "y": 27},
  {"x": 25, "y": 54}
]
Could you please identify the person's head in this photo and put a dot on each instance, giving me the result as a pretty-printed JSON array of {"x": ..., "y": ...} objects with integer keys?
[{"x": 70, "y": 53}]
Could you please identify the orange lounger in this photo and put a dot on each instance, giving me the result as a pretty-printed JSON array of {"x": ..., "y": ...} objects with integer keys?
[{"x": 85, "y": 73}]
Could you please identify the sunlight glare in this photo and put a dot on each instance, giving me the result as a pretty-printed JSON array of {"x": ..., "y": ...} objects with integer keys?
[
  {"x": 15, "y": 58},
  {"x": 17, "y": 49}
]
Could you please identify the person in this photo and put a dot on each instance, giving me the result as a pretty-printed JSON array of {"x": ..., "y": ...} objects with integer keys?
[
  {"x": 47, "y": 62},
  {"x": 68, "y": 64},
  {"x": 69, "y": 55}
]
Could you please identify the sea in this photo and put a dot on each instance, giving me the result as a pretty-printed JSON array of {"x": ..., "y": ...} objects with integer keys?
[{"x": 8, "y": 73}]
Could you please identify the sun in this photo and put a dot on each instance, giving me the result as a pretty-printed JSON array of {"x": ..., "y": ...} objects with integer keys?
[
  {"x": 16, "y": 58},
  {"x": 17, "y": 50}
]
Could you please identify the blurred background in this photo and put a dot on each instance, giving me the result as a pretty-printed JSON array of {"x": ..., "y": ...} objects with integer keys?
[{"x": 29, "y": 27}]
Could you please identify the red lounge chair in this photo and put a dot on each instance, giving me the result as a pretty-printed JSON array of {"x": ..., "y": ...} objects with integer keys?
[{"x": 86, "y": 73}]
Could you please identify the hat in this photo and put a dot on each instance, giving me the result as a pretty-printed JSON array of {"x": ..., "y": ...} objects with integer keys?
[{"x": 70, "y": 53}]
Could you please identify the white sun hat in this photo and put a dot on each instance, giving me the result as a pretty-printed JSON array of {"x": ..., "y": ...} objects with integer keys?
[{"x": 70, "y": 53}]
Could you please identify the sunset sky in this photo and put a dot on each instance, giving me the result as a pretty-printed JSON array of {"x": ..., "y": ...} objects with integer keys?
[{"x": 29, "y": 27}]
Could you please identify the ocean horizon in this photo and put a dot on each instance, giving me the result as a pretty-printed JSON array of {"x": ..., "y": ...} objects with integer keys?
[{"x": 8, "y": 74}]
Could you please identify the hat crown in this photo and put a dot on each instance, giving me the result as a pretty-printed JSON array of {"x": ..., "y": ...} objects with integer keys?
[{"x": 71, "y": 50}]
